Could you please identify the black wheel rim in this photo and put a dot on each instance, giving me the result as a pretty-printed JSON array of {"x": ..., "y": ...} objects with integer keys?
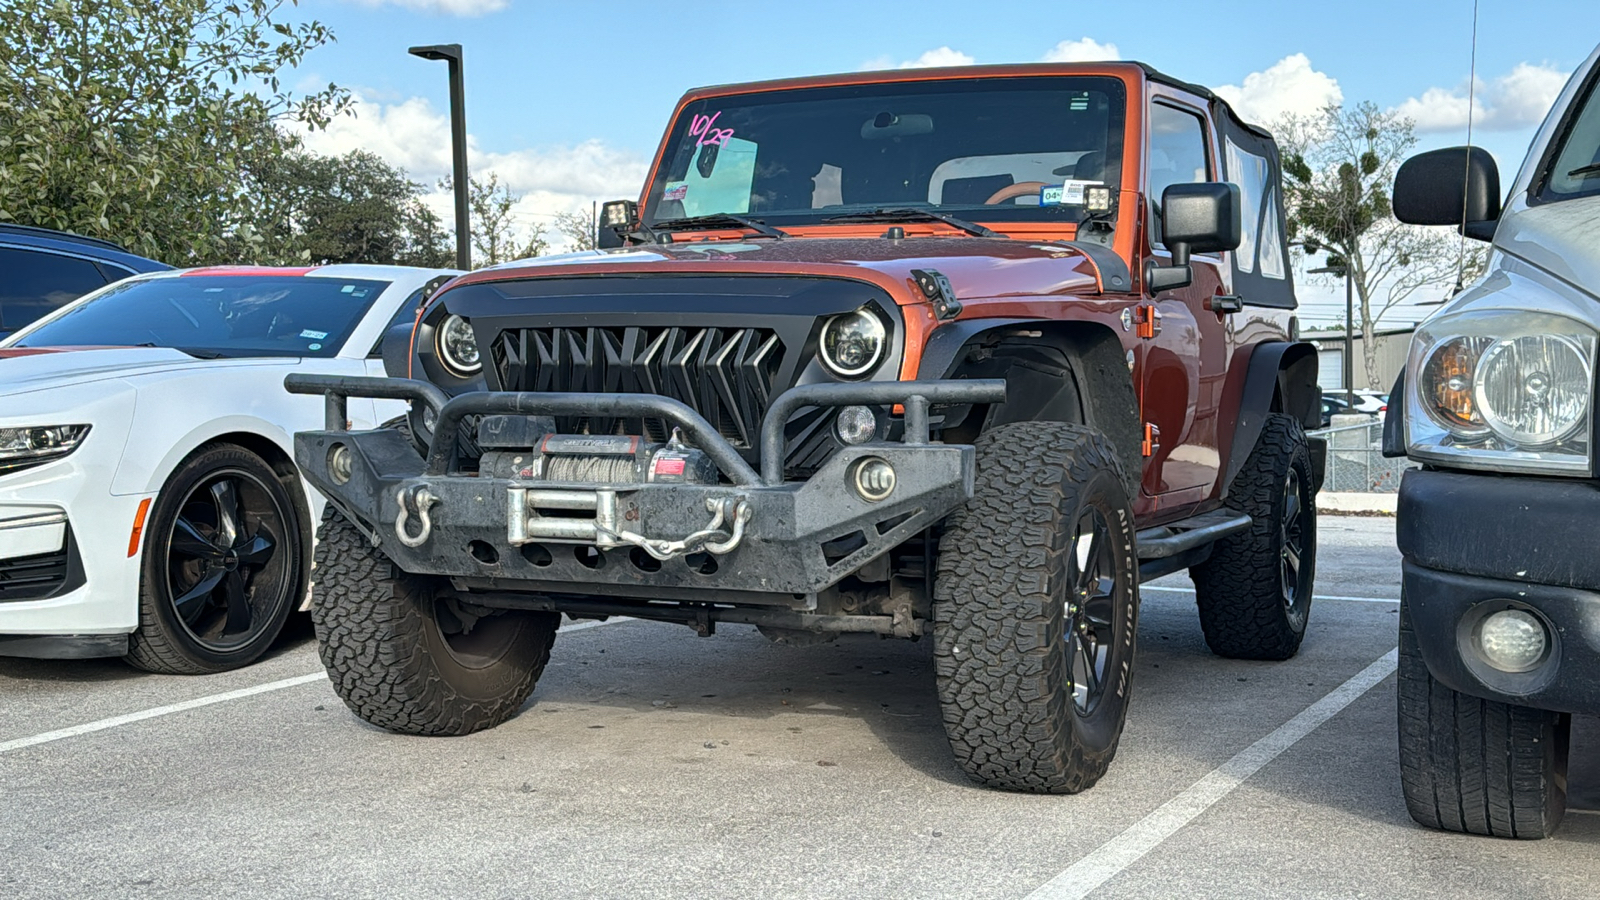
[
  {"x": 1295, "y": 532},
  {"x": 229, "y": 571},
  {"x": 1090, "y": 610}
]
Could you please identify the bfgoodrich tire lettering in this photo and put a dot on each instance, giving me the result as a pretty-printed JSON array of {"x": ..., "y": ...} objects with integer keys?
[
  {"x": 1042, "y": 558},
  {"x": 1477, "y": 766},
  {"x": 402, "y": 657},
  {"x": 1254, "y": 593}
]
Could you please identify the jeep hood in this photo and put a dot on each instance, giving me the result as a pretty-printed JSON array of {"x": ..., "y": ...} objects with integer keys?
[
  {"x": 1558, "y": 238},
  {"x": 976, "y": 267}
]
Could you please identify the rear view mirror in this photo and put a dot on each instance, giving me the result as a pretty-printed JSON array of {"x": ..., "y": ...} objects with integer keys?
[
  {"x": 1195, "y": 218},
  {"x": 889, "y": 125},
  {"x": 1452, "y": 186}
]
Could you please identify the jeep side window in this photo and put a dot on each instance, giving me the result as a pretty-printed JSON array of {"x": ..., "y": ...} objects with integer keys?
[
  {"x": 1574, "y": 170},
  {"x": 37, "y": 283},
  {"x": 1177, "y": 155}
]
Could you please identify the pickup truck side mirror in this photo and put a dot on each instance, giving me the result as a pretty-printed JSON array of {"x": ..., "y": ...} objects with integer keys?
[
  {"x": 617, "y": 218},
  {"x": 1449, "y": 187},
  {"x": 1195, "y": 218}
]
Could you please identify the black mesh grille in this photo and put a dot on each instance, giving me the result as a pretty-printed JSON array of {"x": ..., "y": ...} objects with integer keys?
[
  {"x": 727, "y": 375},
  {"x": 33, "y": 577}
]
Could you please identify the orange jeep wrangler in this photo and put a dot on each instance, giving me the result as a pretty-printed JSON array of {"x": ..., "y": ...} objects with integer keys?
[{"x": 965, "y": 353}]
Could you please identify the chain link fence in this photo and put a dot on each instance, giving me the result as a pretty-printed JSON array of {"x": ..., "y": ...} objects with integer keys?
[{"x": 1356, "y": 462}]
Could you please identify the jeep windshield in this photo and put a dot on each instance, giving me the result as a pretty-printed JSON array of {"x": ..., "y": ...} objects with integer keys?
[
  {"x": 216, "y": 316},
  {"x": 1046, "y": 149}
]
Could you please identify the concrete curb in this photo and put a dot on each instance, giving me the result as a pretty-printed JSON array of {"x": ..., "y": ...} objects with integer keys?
[{"x": 1353, "y": 503}]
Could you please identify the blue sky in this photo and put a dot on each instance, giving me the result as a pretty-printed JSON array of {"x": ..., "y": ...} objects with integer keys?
[{"x": 566, "y": 100}]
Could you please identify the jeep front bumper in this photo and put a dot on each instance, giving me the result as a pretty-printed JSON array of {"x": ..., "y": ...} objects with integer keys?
[{"x": 748, "y": 539}]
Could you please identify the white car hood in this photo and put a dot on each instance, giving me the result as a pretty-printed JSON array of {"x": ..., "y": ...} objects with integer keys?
[
  {"x": 24, "y": 370},
  {"x": 1558, "y": 238}
]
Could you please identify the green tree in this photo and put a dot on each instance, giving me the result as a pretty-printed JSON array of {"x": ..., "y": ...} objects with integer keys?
[
  {"x": 578, "y": 228},
  {"x": 149, "y": 122},
  {"x": 1340, "y": 167},
  {"x": 354, "y": 208},
  {"x": 496, "y": 236}
]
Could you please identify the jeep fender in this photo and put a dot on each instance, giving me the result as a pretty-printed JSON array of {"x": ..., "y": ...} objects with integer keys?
[
  {"x": 1081, "y": 376},
  {"x": 1279, "y": 376}
]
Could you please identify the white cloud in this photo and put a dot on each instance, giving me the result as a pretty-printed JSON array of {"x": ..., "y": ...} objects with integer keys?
[
  {"x": 1084, "y": 50},
  {"x": 447, "y": 7},
  {"x": 1288, "y": 86},
  {"x": 1518, "y": 99},
  {"x": 942, "y": 56},
  {"x": 416, "y": 137}
]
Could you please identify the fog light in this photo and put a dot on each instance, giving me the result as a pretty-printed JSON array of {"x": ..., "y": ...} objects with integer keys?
[
  {"x": 874, "y": 479},
  {"x": 1512, "y": 640},
  {"x": 341, "y": 463},
  {"x": 856, "y": 425}
]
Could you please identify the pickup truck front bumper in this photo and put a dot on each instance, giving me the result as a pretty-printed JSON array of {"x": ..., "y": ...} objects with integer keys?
[
  {"x": 1474, "y": 544},
  {"x": 746, "y": 539}
]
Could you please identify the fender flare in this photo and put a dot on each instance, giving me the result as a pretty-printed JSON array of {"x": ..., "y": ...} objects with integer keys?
[
  {"x": 1281, "y": 376},
  {"x": 941, "y": 354}
]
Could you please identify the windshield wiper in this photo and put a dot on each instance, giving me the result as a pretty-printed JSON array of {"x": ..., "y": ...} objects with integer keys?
[
  {"x": 198, "y": 353},
  {"x": 913, "y": 214},
  {"x": 718, "y": 220},
  {"x": 1585, "y": 171}
]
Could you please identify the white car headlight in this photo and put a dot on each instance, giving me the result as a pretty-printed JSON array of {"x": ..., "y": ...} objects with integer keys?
[
  {"x": 458, "y": 347},
  {"x": 1502, "y": 389},
  {"x": 33, "y": 445},
  {"x": 852, "y": 344}
]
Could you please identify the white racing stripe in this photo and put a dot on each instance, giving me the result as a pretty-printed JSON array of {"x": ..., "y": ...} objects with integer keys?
[
  {"x": 209, "y": 700},
  {"x": 1184, "y": 590},
  {"x": 1122, "y": 851}
]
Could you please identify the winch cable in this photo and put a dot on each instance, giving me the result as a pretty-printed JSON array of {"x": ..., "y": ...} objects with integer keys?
[{"x": 591, "y": 469}]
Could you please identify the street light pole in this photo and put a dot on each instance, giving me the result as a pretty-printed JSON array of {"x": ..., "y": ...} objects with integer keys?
[
  {"x": 1349, "y": 342},
  {"x": 451, "y": 53}
]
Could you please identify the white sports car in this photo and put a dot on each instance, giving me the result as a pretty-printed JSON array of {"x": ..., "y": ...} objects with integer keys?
[{"x": 149, "y": 507}]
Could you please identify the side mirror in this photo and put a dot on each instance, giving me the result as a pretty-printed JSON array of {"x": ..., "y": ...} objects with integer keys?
[
  {"x": 1203, "y": 217},
  {"x": 617, "y": 218},
  {"x": 1449, "y": 187}
]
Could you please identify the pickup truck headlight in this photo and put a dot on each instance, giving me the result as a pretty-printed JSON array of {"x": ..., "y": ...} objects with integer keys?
[
  {"x": 33, "y": 445},
  {"x": 1503, "y": 389}
]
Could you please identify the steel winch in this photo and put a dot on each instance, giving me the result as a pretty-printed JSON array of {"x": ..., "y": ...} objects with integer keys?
[{"x": 548, "y": 500}]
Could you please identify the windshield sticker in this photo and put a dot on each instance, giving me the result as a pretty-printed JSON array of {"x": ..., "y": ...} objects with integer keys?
[
  {"x": 314, "y": 347},
  {"x": 1067, "y": 193},
  {"x": 347, "y": 289},
  {"x": 314, "y": 335},
  {"x": 700, "y": 129},
  {"x": 675, "y": 190}
]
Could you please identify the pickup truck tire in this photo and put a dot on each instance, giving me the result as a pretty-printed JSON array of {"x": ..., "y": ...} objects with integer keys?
[
  {"x": 1254, "y": 592},
  {"x": 397, "y": 652},
  {"x": 1477, "y": 766},
  {"x": 1037, "y": 575}
]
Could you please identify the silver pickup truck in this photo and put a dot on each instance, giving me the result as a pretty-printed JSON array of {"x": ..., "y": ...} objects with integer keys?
[{"x": 1500, "y": 621}]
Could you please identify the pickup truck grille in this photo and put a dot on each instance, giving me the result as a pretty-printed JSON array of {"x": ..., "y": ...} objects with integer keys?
[{"x": 727, "y": 375}]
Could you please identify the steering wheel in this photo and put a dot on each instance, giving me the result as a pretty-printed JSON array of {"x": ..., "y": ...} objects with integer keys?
[{"x": 1013, "y": 191}]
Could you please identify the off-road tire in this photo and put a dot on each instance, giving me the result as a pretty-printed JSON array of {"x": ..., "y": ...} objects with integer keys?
[
  {"x": 1477, "y": 766},
  {"x": 1241, "y": 588},
  {"x": 1000, "y": 622},
  {"x": 162, "y": 643},
  {"x": 380, "y": 638}
]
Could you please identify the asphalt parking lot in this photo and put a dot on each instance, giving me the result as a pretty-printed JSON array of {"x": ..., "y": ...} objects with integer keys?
[{"x": 652, "y": 763}]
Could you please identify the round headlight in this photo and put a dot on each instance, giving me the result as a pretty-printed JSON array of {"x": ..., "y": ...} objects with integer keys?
[
  {"x": 1446, "y": 386},
  {"x": 458, "y": 347},
  {"x": 1533, "y": 390},
  {"x": 853, "y": 343}
]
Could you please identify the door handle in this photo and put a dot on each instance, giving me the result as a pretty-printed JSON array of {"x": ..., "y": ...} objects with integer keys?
[{"x": 1225, "y": 303}]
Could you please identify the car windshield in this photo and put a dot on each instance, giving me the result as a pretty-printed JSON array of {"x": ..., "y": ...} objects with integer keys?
[
  {"x": 217, "y": 315},
  {"x": 978, "y": 148},
  {"x": 1574, "y": 170}
]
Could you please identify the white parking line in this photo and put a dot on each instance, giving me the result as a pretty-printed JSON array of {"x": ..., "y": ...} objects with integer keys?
[
  {"x": 1184, "y": 590},
  {"x": 198, "y": 702},
  {"x": 1127, "y": 848}
]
